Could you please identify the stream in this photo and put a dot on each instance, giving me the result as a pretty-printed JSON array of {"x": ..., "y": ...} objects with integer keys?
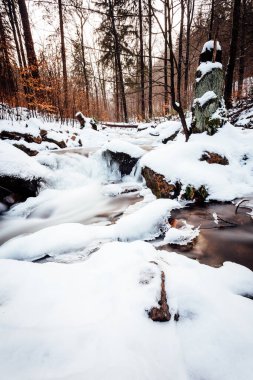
[{"x": 84, "y": 191}]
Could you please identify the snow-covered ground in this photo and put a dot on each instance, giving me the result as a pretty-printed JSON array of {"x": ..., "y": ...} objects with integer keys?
[{"x": 89, "y": 320}]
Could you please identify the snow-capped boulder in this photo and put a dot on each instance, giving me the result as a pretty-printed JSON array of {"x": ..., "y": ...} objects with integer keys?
[
  {"x": 125, "y": 155},
  {"x": 209, "y": 111},
  {"x": 20, "y": 175}
]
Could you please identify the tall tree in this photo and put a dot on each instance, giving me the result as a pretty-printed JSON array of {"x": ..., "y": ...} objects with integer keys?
[
  {"x": 63, "y": 55},
  {"x": 232, "y": 54},
  {"x": 29, "y": 45},
  {"x": 150, "y": 76},
  {"x": 142, "y": 67}
]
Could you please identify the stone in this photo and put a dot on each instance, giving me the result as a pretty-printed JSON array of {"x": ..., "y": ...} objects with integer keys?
[
  {"x": 162, "y": 188},
  {"x": 16, "y": 189},
  {"x": 214, "y": 158},
  {"x": 159, "y": 186},
  {"x": 208, "y": 110},
  {"x": 30, "y": 152},
  {"x": 124, "y": 161},
  {"x": 161, "y": 314}
]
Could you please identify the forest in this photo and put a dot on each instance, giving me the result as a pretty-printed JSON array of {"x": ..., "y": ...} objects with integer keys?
[{"x": 118, "y": 60}]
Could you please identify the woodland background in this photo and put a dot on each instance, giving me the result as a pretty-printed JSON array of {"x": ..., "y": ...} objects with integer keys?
[{"x": 119, "y": 59}]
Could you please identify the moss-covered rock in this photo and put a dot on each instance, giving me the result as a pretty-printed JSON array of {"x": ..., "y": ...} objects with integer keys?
[
  {"x": 162, "y": 188},
  {"x": 159, "y": 186}
]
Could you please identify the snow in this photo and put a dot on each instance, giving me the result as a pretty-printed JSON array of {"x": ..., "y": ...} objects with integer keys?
[
  {"x": 209, "y": 95},
  {"x": 15, "y": 163},
  {"x": 146, "y": 223},
  {"x": 180, "y": 162},
  {"x": 89, "y": 320},
  {"x": 207, "y": 67},
  {"x": 117, "y": 145},
  {"x": 210, "y": 45}
]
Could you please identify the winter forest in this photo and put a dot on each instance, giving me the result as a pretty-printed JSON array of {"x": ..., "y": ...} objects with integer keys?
[{"x": 126, "y": 189}]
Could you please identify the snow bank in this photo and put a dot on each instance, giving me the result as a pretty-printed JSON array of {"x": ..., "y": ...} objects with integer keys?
[
  {"x": 89, "y": 320},
  {"x": 180, "y": 161},
  {"x": 121, "y": 146},
  {"x": 15, "y": 163}
]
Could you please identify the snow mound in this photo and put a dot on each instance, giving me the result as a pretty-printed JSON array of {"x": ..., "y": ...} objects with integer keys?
[
  {"x": 15, "y": 163},
  {"x": 99, "y": 307},
  {"x": 120, "y": 146}
]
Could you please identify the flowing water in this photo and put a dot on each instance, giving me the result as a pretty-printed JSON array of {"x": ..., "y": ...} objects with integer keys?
[
  {"x": 83, "y": 190},
  {"x": 229, "y": 240}
]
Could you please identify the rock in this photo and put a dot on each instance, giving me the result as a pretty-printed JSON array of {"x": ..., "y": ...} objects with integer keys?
[
  {"x": 161, "y": 314},
  {"x": 159, "y": 186},
  {"x": 214, "y": 158},
  {"x": 208, "y": 109},
  {"x": 17, "y": 136},
  {"x": 60, "y": 144},
  {"x": 123, "y": 160},
  {"x": 15, "y": 189},
  {"x": 192, "y": 194},
  {"x": 27, "y": 150},
  {"x": 170, "y": 138}
]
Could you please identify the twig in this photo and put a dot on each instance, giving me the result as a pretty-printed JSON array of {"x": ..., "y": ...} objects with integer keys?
[{"x": 239, "y": 204}]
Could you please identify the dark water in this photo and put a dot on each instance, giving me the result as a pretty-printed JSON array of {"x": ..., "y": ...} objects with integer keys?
[{"x": 217, "y": 243}]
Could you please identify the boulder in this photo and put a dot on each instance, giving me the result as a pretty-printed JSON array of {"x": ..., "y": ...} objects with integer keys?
[
  {"x": 30, "y": 152},
  {"x": 162, "y": 188},
  {"x": 208, "y": 108},
  {"x": 16, "y": 189},
  {"x": 124, "y": 161},
  {"x": 214, "y": 158}
]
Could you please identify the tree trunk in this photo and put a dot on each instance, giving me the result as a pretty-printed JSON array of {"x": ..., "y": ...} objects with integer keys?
[
  {"x": 211, "y": 21},
  {"x": 29, "y": 45},
  {"x": 150, "y": 79},
  {"x": 175, "y": 104},
  {"x": 63, "y": 56},
  {"x": 189, "y": 16},
  {"x": 180, "y": 50},
  {"x": 165, "y": 65},
  {"x": 242, "y": 50},
  {"x": 118, "y": 60},
  {"x": 22, "y": 52},
  {"x": 142, "y": 64},
  {"x": 232, "y": 54}
]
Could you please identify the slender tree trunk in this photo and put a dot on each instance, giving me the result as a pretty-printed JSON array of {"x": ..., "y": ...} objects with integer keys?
[
  {"x": 211, "y": 20},
  {"x": 175, "y": 104},
  {"x": 118, "y": 60},
  {"x": 9, "y": 11},
  {"x": 8, "y": 84},
  {"x": 242, "y": 50},
  {"x": 142, "y": 68},
  {"x": 150, "y": 78},
  {"x": 180, "y": 50},
  {"x": 165, "y": 64},
  {"x": 29, "y": 45},
  {"x": 22, "y": 52},
  {"x": 189, "y": 16},
  {"x": 232, "y": 54},
  {"x": 63, "y": 55},
  {"x": 85, "y": 74}
]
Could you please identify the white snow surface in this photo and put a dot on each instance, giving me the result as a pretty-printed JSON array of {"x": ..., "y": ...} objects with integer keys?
[
  {"x": 121, "y": 146},
  {"x": 15, "y": 163},
  {"x": 210, "y": 45},
  {"x": 89, "y": 320},
  {"x": 209, "y": 95},
  {"x": 206, "y": 67}
]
